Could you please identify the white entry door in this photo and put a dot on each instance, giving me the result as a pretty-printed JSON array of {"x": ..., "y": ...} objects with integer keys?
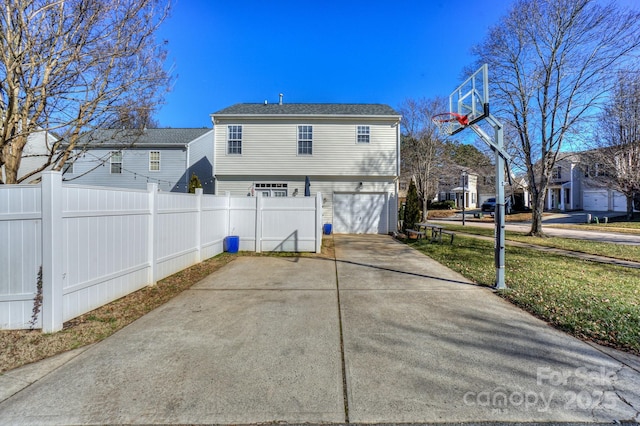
[{"x": 357, "y": 213}]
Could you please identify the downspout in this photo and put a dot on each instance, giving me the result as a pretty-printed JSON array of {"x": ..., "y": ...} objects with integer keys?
[
  {"x": 186, "y": 175},
  {"x": 396, "y": 181}
]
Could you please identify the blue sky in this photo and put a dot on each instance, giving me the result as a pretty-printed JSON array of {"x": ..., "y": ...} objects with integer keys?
[{"x": 224, "y": 52}]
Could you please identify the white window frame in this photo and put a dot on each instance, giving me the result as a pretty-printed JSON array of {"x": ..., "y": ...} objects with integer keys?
[
  {"x": 152, "y": 161},
  {"x": 112, "y": 163},
  {"x": 304, "y": 140},
  {"x": 363, "y": 134},
  {"x": 556, "y": 173},
  {"x": 234, "y": 136}
]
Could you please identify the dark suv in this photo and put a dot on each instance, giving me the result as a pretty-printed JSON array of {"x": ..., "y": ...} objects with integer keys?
[{"x": 490, "y": 205}]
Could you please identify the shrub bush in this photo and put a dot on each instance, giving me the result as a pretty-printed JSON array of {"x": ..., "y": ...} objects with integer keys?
[
  {"x": 442, "y": 205},
  {"x": 412, "y": 208}
]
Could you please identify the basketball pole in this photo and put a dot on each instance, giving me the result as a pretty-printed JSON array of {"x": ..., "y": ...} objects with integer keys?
[{"x": 497, "y": 145}]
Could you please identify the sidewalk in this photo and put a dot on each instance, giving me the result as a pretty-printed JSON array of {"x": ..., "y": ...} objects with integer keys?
[{"x": 383, "y": 334}]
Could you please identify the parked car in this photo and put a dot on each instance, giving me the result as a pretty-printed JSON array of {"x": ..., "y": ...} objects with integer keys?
[{"x": 490, "y": 205}]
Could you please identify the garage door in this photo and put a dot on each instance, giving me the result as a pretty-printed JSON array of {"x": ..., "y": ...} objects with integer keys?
[
  {"x": 596, "y": 201},
  {"x": 619, "y": 202},
  {"x": 360, "y": 213}
]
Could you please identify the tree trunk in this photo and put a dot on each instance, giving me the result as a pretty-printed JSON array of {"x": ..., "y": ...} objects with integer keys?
[
  {"x": 425, "y": 209},
  {"x": 11, "y": 165},
  {"x": 536, "y": 219},
  {"x": 630, "y": 207}
]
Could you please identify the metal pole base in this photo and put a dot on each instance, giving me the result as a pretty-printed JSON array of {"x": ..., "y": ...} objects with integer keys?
[{"x": 500, "y": 285}]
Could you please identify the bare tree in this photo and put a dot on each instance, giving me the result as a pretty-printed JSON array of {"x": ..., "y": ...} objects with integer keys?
[
  {"x": 551, "y": 65},
  {"x": 615, "y": 163},
  {"x": 422, "y": 147},
  {"x": 70, "y": 66}
]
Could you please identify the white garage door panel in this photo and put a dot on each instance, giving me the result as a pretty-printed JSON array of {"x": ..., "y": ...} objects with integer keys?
[
  {"x": 359, "y": 213},
  {"x": 619, "y": 202},
  {"x": 596, "y": 201}
]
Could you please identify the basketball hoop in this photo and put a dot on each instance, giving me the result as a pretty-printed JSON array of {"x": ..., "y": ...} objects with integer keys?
[{"x": 448, "y": 122}]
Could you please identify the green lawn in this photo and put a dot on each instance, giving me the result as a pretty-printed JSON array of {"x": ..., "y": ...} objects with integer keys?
[
  {"x": 617, "y": 251},
  {"x": 589, "y": 300}
]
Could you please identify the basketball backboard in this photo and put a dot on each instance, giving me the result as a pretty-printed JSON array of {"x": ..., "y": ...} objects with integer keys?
[{"x": 471, "y": 99}]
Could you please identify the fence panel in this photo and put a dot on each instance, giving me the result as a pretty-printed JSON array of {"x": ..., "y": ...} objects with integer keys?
[
  {"x": 21, "y": 234},
  {"x": 97, "y": 244},
  {"x": 242, "y": 221},
  {"x": 104, "y": 239},
  {"x": 213, "y": 225},
  {"x": 288, "y": 224},
  {"x": 176, "y": 233}
]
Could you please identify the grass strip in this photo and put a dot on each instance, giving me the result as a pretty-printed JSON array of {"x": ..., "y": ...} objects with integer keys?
[
  {"x": 591, "y": 301},
  {"x": 616, "y": 251},
  {"x": 621, "y": 228}
]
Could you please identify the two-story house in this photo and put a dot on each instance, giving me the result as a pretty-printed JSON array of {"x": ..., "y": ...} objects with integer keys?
[
  {"x": 348, "y": 152},
  {"x": 131, "y": 159},
  {"x": 578, "y": 182}
]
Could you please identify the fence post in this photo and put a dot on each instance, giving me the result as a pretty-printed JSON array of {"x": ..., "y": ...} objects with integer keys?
[
  {"x": 258, "y": 228},
  {"x": 318, "y": 222},
  {"x": 152, "y": 189},
  {"x": 199, "y": 225},
  {"x": 228, "y": 215},
  {"x": 52, "y": 256}
]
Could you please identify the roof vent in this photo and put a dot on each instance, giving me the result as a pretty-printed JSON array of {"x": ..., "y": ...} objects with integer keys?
[
  {"x": 281, "y": 95},
  {"x": 265, "y": 102}
]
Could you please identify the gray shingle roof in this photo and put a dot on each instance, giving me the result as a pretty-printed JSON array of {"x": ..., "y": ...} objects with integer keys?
[
  {"x": 146, "y": 137},
  {"x": 309, "y": 109}
]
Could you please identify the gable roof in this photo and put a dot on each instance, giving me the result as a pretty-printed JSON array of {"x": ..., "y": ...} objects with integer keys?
[
  {"x": 142, "y": 138},
  {"x": 356, "y": 110}
]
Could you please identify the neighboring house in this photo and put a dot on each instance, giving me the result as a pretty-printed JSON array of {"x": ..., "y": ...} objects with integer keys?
[
  {"x": 575, "y": 185},
  {"x": 459, "y": 186},
  {"x": 34, "y": 155},
  {"x": 349, "y": 152},
  {"x": 129, "y": 159}
]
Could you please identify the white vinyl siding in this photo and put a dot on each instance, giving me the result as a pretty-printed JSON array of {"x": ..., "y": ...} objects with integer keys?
[
  {"x": 116, "y": 162},
  {"x": 305, "y": 140},
  {"x": 269, "y": 148},
  {"x": 154, "y": 161}
]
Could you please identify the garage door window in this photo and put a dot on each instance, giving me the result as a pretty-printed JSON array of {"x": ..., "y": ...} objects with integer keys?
[{"x": 271, "y": 189}]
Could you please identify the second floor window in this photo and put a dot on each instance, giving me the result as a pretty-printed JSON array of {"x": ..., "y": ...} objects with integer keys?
[
  {"x": 557, "y": 173},
  {"x": 305, "y": 140},
  {"x": 154, "y": 161},
  {"x": 234, "y": 140},
  {"x": 363, "y": 134},
  {"x": 116, "y": 162}
]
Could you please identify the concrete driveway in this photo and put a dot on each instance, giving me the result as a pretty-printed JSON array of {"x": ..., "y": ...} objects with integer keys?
[{"x": 382, "y": 334}]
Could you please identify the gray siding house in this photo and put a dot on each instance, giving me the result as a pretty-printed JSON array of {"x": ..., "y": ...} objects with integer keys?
[
  {"x": 167, "y": 157},
  {"x": 348, "y": 152}
]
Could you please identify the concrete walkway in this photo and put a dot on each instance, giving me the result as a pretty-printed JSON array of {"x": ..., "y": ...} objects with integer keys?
[{"x": 382, "y": 334}]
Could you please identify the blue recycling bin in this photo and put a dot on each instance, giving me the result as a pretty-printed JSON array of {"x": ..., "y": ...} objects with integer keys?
[
  {"x": 326, "y": 229},
  {"x": 232, "y": 244}
]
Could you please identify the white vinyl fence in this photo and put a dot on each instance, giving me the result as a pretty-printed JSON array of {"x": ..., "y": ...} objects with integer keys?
[{"x": 81, "y": 247}]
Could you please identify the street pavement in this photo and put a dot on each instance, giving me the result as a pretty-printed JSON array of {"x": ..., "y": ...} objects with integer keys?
[{"x": 381, "y": 334}]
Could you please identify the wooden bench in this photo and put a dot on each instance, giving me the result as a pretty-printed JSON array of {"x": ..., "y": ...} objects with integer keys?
[
  {"x": 448, "y": 233},
  {"x": 418, "y": 234}
]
